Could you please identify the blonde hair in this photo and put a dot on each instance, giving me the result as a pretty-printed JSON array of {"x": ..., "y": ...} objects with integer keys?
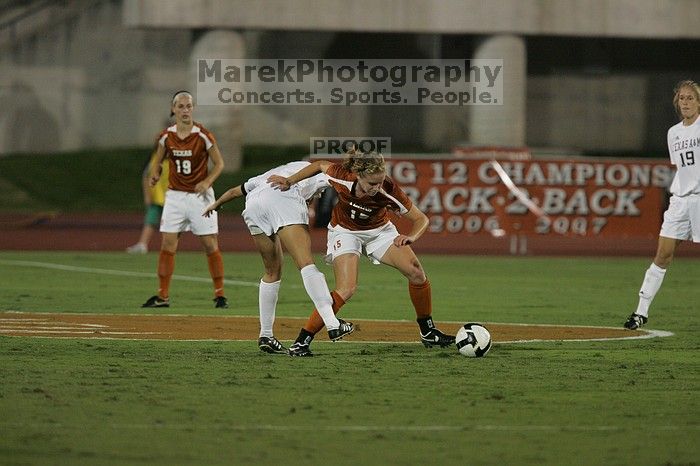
[
  {"x": 689, "y": 83},
  {"x": 364, "y": 163}
]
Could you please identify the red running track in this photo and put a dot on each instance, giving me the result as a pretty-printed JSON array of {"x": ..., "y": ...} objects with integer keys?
[{"x": 116, "y": 231}]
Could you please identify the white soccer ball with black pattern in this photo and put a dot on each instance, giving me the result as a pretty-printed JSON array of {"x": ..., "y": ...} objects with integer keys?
[{"x": 473, "y": 340}]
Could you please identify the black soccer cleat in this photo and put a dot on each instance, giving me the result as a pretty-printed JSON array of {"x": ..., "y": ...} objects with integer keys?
[
  {"x": 634, "y": 321},
  {"x": 156, "y": 301},
  {"x": 436, "y": 338},
  {"x": 221, "y": 302},
  {"x": 271, "y": 345},
  {"x": 300, "y": 350},
  {"x": 346, "y": 328}
]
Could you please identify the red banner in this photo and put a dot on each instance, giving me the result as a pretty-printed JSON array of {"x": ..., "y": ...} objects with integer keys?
[{"x": 582, "y": 197}]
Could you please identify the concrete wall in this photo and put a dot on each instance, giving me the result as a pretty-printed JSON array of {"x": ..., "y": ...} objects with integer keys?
[
  {"x": 74, "y": 76},
  {"x": 76, "y": 72},
  {"x": 593, "y": 18}
]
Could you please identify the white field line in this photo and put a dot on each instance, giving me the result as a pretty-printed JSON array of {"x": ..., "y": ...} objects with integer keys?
[
  {"x": 122, "y": 273},
  {"x": 79, "y": 332},
  {"x": 356, "y": 427},
  {"x": 636, "y": 335}
]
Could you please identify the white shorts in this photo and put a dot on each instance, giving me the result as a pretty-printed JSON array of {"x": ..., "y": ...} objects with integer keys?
[
  {"x": 183, "y": 211},
  {"x": 268, "y": 210},
  {"x": 372, "y": 243},
  {"x": 682, "y": 218}
]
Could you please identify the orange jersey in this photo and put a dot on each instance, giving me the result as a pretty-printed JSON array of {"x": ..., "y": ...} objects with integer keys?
[
  {"x": 364, "y": 213},
  {"x": 188, "y": 158}
]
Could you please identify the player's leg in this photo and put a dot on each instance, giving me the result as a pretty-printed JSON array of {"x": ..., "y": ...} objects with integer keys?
[
  {"x": 405, "y": 261},
  {"x": 215, "y": 261},
  {"x": 345, "y": 268},
  {"x": 271, "y": 253},
  {"x": 297, "y": 241},
  {"x": 166, "y": 268},
  {"x": 173, "y": 222},
  {"x": 207, "y": 230},
  {"x": 150, "y": 223},
  {"x": 653, "y": 278},
  {"x": 675, "y": 227}
]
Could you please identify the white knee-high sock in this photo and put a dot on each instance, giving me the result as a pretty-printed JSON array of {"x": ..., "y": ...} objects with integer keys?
[
  {"x": 267, "y": 304},
  {"x": 317, "y": 289},
  {"x": 653, "y": 278}
]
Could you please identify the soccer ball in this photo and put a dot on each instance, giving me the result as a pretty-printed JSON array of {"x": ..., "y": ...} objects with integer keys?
[{"x": 473, "y": 340}]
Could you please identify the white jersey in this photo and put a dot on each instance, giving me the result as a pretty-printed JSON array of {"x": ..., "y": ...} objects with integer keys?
[
  {"x": 306, "y": 188},
  {"x": 268, "y": 209},
  {"x": 684, "y": 150}
]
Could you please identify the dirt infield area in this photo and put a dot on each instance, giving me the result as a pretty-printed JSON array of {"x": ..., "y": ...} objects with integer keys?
[{"x": 174, "y": 327}]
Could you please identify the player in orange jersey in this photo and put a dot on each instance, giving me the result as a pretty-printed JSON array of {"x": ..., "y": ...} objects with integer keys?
[
  {"x": 188, "y": 147},
  {"x": 359, "y": 225}
]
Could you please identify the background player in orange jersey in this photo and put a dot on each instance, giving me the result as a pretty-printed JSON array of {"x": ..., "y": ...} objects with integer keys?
[
  {"x": 360, "y": 224},
  {"x": 188, "y": 146}
]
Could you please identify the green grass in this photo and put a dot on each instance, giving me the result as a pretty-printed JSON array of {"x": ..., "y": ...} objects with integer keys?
[
  {"x": 113, "y": 402},
  {"x": 105, "y": 180}
]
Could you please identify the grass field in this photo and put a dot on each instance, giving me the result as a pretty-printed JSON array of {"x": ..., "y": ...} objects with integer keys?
[{"x": 121, "y": 402}]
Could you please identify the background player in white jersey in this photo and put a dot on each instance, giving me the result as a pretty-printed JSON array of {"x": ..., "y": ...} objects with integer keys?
[
  {"x": 682, "y": 218},
  {"x": 281, "y": 218}
]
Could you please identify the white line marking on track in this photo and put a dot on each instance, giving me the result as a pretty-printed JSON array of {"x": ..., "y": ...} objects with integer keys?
[
  {"x": 634, "y": 335},
  {"x": 123, "y": 273}
]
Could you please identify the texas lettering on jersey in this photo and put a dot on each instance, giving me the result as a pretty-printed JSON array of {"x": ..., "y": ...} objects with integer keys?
[{"x": 364, "y": 213}]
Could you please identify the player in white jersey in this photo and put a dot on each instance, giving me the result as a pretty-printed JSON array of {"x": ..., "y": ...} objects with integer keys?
[
  {"x": 682, "y": 218},
  {"x": 276, "y": 218}
]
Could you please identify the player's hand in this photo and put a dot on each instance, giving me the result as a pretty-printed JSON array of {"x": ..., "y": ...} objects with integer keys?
[
  {"x": 279, "y": 182},
  {"x": 210, "y": 208},
  {"x": 154, "y": 180},
  {"x": 201, "y": 187},
  {"x": 402, "y": 240}
]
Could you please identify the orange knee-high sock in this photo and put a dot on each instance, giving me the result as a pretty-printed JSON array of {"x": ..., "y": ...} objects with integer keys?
[
  {"x": 315, "y": 323},
  {"x": 216, "y": 270},
  {"x": 422, "y": 298},
  {"x": 166, "y": 267}
]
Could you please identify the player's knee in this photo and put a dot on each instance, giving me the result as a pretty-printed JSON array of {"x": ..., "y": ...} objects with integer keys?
[
  {"x": 346, "y": 292},
  {"x": 663, "y": 259},
  {"x": 272, "y": 275},
  {"x": 415, "y": 273},
  {"x": 417, "y": 277}
]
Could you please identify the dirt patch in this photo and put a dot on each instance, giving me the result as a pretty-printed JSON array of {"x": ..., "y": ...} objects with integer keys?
[{"x": 173, "y": 327}]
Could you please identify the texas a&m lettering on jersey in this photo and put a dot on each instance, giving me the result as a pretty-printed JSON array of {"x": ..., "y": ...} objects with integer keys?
[
  {"x": 187, "y": 158},
  {"x": 364, "y": 213},
  {"x": 684, "y": 150}
]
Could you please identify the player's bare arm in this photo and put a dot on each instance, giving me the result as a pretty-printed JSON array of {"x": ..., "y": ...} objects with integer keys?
[
  {"x": 283, "y": 184},
  {"x": 156, "y": 167},
  {"x": 229, "y": 195},
  {"x": 215, "y": 171},
  {"x": 419, "y": 224}
]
